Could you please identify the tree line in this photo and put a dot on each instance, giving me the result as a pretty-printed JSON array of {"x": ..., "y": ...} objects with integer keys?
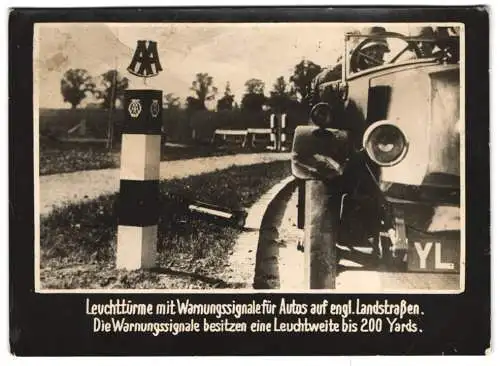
[
  {"x": 78, "y": 84},
  {"x": 109, "y": 87}
]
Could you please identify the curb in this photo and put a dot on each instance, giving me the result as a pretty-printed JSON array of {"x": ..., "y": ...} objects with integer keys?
[
  {"x": 258, "y": 211},
  {"x": 243, "y": 263},
  {"x": 267, "y": 258}
]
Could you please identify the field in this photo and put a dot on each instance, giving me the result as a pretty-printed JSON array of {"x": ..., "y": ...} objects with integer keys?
[
  {"x": 77, "y": 242},
  {"x": 178, "y": 124},
  {"x": 194, "y": 130}
]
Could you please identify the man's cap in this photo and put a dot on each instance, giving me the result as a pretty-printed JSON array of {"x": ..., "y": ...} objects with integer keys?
[
  {"x": 375, "y": 31},
  {"x": 425, "y": 32}
]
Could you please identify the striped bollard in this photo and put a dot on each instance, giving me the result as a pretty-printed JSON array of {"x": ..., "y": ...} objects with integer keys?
[
  {"x": 138, "y": 210},
  {"x": 274, "y": 131},
  {"x": 283, "y": 131}
]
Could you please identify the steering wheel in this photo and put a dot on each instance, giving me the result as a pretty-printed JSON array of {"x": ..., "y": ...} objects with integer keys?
[{"x": 357, "y": 55}]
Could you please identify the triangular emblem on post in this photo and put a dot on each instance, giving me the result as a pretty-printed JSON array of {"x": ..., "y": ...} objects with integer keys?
[{"x": 145, "y": 62}]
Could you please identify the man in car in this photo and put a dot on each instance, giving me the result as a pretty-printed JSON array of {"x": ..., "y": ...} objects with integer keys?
[
  {"x": 439, "y": 43},
  {"x": 426, "y": 48},
  {"x": 370, "y": 55}
]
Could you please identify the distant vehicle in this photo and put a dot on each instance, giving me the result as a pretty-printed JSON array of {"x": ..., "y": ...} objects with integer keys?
[{"x": 389, "y": 136}]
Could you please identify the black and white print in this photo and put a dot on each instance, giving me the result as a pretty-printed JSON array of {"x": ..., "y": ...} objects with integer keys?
[{"x": 243, "y": 157}]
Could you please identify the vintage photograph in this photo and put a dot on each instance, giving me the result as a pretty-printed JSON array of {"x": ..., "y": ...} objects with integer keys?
[{"x": 244, "y": 157}]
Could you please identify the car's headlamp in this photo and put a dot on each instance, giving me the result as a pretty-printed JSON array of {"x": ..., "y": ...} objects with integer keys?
[
  {"x": 321, "y": 115},
  {"x": 385, "y": 143}
]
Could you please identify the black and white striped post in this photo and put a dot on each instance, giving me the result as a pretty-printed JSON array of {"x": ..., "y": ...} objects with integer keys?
[
  {"x": 283, "y": 125},
  {"x": 138, "y": 205},
  {"x": 273, "y": 124}
]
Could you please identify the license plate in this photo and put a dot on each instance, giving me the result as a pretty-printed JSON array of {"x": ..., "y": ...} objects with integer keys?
[{"x": 434, "y": 253}]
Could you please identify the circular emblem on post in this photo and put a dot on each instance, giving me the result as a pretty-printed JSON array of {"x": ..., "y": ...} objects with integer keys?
[
  {"x": 155, "y": 108},
  {"x": 134, "y": 108}
]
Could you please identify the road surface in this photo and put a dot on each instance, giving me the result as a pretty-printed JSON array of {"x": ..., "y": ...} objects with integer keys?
[{"x": 59, "y": 189}]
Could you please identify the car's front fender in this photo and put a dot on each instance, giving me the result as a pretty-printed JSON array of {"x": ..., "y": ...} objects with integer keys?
[{"x": 319, "y": 153}]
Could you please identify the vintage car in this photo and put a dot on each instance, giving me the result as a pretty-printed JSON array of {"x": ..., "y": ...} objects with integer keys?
[{"x": 386, "y": 140}]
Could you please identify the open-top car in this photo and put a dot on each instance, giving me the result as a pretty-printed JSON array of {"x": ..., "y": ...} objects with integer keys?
[{"x": 385, "y": 137}]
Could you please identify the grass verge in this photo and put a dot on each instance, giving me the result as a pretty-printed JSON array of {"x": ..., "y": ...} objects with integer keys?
[
  {"x": 78, "y": 242},
  {"x": 65, "y": 157}
]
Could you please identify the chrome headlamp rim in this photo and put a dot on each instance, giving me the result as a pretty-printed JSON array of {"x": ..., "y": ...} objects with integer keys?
[{"x": 368, "y": 133}]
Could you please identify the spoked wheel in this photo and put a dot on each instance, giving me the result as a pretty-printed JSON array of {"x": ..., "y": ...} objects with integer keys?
[{"x": 358, "y": 55}]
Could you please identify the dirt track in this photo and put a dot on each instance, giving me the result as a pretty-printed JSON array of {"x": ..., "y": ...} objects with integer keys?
[{"x": 58, "y": 189}]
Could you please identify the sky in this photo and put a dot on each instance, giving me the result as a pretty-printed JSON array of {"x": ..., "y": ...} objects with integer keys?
[{"x": 230, "y": 53}]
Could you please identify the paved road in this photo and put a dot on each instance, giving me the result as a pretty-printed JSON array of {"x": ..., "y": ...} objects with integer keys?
[
  {"x": 355, "y": 276},
  {"x": 59, "y": 189}
]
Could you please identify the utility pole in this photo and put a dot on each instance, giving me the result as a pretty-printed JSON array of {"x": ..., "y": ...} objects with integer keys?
[{"x": 112, "y": 102}]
